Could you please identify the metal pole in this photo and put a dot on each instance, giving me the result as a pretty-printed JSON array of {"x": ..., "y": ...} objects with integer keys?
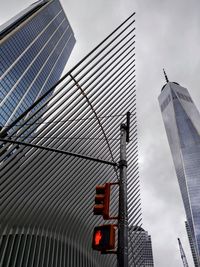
[
  {"x": 58, "y": 151},
  {"x": 123, "y": 219}
]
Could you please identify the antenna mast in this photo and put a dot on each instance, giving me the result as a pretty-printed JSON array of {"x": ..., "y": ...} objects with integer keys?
[
  {"x": 166, "y": 78},
  {"x": 183, "y": 257}
]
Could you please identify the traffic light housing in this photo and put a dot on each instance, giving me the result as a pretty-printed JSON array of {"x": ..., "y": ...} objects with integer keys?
[
  {"x": 102, "y": 201},
  {"x": 104, "y": 237}
]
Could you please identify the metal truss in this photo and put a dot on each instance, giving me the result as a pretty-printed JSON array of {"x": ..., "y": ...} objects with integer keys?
[{"x": 47, "y": 194}]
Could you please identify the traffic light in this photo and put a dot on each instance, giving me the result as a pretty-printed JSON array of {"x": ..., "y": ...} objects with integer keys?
[
  {"x": 102, "y": 200},
  {"x": 104, "y": 237}
]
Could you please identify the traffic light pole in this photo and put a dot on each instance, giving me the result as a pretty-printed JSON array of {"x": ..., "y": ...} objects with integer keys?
[{"x": 122, "y": 253}]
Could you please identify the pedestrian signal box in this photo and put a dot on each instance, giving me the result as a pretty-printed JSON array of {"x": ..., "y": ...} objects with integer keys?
[{"x": 104, "y": 237}]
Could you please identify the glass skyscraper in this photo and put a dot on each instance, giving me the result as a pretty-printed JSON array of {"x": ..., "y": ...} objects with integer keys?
[
  {"x": 34, "y": 48},
  {"x": 141, "y": 246},
  {"x": 182, "y": 124}
]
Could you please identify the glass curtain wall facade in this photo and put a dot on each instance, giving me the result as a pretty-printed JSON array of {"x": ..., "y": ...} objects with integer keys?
[
  {"x": 192, "y": 246},
  {"x": 182, "y": 123},
  {"x": 140, "y": 243},
  {"x": 34, "y": 48}
]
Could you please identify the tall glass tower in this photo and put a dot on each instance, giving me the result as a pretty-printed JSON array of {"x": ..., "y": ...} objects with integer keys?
[
  {"x": 34, "y": 48},
  {"x": 141, "y": 246},
  {"x": 182, "y": 124}
]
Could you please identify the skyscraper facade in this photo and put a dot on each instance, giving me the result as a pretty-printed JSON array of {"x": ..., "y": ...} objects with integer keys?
[
  {"x": 192, "y": 245},
  {"x": 182, "y": 123},
  {"x": 34, "y": 48},
  {"x": 141, "y": 246}
]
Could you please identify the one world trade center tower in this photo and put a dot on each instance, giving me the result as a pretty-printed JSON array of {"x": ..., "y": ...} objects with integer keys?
[{"x": 182, "y": 124}]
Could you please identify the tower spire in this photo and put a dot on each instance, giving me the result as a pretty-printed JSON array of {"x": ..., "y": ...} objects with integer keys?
[{"x": 165, "y": 76}]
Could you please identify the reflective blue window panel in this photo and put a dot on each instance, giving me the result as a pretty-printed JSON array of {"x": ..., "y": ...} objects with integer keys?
[{"x": 32, "y": 58}]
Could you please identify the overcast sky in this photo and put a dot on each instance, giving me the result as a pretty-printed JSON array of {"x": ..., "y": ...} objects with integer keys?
[{"x": 167, "y": 35}]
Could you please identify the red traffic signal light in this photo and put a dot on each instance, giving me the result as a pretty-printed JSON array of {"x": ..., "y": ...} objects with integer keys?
[
  {"x": 104, "y": 237},
  {"x": 102, "y": 200}
]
